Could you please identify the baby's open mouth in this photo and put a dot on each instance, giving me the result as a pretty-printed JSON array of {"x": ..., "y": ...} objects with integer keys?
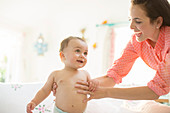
[{"x": 80, "y": 61}]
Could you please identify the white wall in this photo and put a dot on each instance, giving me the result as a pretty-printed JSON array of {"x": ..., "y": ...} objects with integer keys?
[{"x": 55, "y": 19}]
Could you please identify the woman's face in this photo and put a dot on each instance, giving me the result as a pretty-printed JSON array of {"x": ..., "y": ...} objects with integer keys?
[{"x": 141, "y": 25}]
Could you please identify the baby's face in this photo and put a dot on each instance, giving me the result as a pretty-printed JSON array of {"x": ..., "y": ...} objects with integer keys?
[{"x": 75, "y": 54}]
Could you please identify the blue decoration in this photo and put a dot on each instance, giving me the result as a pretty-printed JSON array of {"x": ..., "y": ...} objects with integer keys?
[
  {"x": 40, "y": 46},
  {"x": 112, "y": 24}
]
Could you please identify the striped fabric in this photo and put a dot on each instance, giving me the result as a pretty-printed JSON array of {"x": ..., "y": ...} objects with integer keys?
[{"x": 158, "y": 58}]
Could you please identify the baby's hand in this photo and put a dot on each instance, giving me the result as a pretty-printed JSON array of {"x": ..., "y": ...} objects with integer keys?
[
  {"x": 30, "y": 107},
  {"x": 93, "y": 84}
]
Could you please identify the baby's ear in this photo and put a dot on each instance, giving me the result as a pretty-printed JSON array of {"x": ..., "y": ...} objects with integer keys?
[{"x": 62, "y": 56}]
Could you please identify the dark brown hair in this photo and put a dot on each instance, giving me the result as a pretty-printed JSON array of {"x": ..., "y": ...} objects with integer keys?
[
  {"x": 154, "y": 9},
  {"x": 65, "y": 42}
]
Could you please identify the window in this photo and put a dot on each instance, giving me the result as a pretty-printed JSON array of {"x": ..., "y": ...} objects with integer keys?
[
  {"x": 10, "y": 53},
  {"x": 140, "y": 74}
]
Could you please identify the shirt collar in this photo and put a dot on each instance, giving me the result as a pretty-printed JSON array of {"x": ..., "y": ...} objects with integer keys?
[{"x": 161, "y": 40}]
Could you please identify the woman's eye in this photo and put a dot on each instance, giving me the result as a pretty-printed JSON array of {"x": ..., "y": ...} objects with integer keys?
[
  {"x": 77, "y": 50},
  {"x": 138, "y": 22}
]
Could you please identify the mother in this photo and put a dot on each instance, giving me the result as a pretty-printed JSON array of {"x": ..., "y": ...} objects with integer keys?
[{"x": 150, "y": 21}]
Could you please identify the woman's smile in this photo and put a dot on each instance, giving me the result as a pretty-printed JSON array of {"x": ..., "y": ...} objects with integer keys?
[{"x": 138, "y": 34}]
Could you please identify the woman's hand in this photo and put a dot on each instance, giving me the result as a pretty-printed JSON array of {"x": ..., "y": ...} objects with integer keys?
[
  {"x": 82, "y": 85},
  {"x": 100, "y": 92},
  {"x": 93, "y": 84},
  {"x": 89, "y": 88}
]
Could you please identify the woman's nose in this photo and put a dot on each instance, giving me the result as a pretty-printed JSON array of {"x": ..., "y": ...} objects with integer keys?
[{"x": 132, "y": 25}]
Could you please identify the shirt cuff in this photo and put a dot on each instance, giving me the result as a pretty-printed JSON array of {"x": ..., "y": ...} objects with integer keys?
[
  {"x": 115, "y": 76},
  {"x": 157, "y": 89}
]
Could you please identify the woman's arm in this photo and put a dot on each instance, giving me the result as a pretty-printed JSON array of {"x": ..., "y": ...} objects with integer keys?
[
  {"x": 103, "y": 81},
  {"x": 135, "y": 93}
]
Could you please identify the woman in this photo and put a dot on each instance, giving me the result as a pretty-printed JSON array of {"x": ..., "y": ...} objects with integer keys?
[{"x": 150, "y": 21}]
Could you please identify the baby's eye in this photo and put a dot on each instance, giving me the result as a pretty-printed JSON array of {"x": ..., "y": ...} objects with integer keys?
[
  {"x": 85, "y": 53},
  {"x": 77, "y": 50}
]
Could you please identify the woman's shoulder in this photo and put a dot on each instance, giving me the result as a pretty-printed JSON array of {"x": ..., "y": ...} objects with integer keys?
[{"x": 166, "y": 31}]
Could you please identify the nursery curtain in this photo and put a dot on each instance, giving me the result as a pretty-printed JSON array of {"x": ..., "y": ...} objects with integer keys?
[
  {"x": 109, "y": 42},
  {"x": 102, "y": 54}
]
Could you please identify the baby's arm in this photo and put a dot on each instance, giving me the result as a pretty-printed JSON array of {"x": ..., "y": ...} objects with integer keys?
[{"x": 41, "y": 94}]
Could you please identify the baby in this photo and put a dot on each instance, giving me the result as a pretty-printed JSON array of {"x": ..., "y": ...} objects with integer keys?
[{"x": 73, "y": 53}]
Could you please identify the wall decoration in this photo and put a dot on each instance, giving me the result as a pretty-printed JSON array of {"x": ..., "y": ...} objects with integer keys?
[
  {"x": 16, "y": 86},
  {"x": 41, "y": 46},
  {"x": 106, "y": 23},
  {"x": 83, "y": 31},
  {"x": 104, "y": 44},
  {"x": 94, "y": 45}
]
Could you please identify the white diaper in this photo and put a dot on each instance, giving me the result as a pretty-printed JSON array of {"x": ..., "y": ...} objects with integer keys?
[{"x": 57, "y": 110}]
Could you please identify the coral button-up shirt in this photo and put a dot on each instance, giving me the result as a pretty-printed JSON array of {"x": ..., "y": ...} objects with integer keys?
[{"x": 158, "y": 58}]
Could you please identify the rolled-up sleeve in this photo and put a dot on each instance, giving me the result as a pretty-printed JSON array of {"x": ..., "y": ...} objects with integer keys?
[{"x": 161, "y": 82}]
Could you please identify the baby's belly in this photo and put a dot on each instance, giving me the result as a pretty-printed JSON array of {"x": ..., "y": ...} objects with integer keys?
[{"x": 68, "y": 100}]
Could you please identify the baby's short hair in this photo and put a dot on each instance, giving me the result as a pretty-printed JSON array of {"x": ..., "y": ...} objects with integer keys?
[{"x": 65, "y": 42}]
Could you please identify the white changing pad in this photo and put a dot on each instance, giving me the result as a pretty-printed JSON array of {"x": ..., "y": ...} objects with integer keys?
[{"x": 126, "y": 106}]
